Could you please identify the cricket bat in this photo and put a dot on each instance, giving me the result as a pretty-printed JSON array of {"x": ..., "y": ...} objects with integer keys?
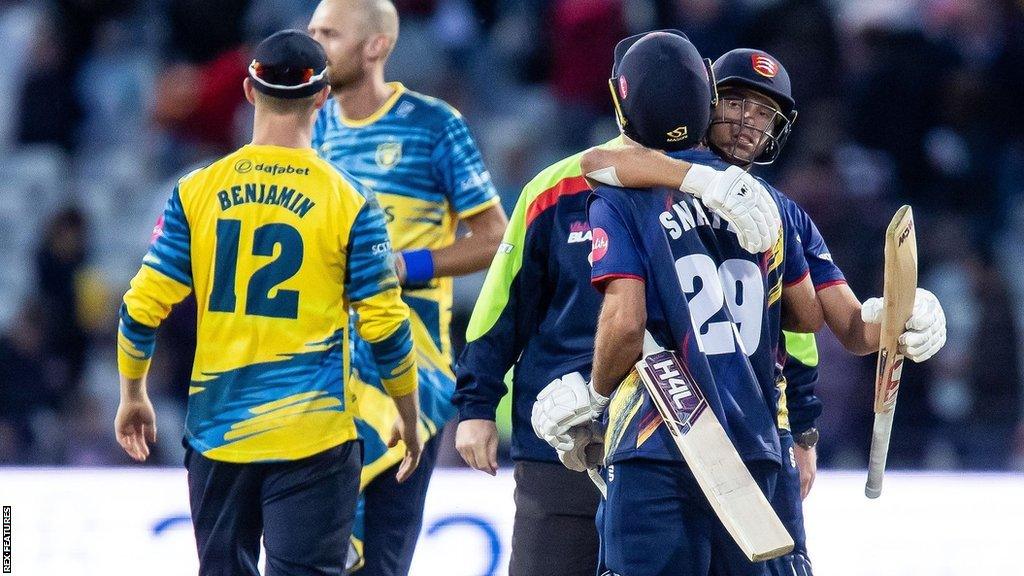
[
  {"x": 711, "y": 457},
  {"x": 898, "y": 291}
]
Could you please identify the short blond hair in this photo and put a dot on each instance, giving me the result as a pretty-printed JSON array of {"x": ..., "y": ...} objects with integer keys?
[{"x": 296, "y": 106}]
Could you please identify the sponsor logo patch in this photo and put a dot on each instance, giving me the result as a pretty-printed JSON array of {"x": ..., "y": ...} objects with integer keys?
[
  {"x": 764, "y": 65},
  {"x": 388, "y": 154},
  {"x": 677, "y": 134},
  {"x": 158, "y": 229},
  {"x": 579, "y": 232},
  {"x": 600, "y": 245}
]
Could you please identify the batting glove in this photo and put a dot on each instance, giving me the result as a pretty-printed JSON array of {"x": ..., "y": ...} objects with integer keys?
[
  {"x": 565, "y": 402},
  {"x": 741, "y": 201},
  {"x": 925, "y": 331}
]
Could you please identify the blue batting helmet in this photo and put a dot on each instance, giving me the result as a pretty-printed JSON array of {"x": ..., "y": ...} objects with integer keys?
[
  {"x": 759, "y": 71},
  {"x": 662, "y": 90}
]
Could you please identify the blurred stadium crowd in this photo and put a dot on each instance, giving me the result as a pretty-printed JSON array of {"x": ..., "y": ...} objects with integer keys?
[{"x": 108, "y": 101}]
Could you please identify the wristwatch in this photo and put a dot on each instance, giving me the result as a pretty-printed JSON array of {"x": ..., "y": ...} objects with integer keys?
[{"x": 807, "y": 439}]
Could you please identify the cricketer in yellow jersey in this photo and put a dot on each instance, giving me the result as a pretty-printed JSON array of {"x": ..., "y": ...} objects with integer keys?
[
  {"x": 416, "y": 154},
  {"x": 278, "y": 246}
]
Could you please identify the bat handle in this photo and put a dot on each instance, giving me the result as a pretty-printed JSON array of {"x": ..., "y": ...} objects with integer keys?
[{"x": 879, "y": 451}]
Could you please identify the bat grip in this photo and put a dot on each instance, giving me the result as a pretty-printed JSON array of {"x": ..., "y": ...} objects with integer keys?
[{"x": 879, "y": 452}]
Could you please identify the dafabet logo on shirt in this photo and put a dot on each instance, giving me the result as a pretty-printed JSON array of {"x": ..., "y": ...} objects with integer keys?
[{"x": 246, "y": 166}]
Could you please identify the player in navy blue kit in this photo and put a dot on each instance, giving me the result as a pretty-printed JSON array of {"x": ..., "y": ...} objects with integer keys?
[
  {"x": 669, "y": 265},
  {"x": 537, "y": 313},
  {"x": 751, "y": 125}
]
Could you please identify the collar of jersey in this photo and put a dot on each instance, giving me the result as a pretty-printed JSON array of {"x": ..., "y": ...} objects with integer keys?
[
  {"x": 280, "y": 149},
  {"x": 384, "y": 108}
]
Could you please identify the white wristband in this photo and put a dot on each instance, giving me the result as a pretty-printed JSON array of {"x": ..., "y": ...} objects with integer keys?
[
  {"x": 697, "y": 179},
  {"x": 596, "y": 398}
]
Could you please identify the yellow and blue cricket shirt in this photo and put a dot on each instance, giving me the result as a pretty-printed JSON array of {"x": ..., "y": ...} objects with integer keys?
[
  {"x": 417, "y": 156},
  {"x": 277, "y": 246}
]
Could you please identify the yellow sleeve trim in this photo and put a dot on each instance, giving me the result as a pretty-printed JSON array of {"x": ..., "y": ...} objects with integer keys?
[
  {"x": 407, "y": 380},
  {"x": 129, "y": 362}
]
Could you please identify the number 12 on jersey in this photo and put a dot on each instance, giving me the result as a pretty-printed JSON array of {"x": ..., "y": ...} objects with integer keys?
[{"x": 258, "y": 302}]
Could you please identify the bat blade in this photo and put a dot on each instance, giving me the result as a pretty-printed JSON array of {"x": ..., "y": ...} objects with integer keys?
[
  {"x": 711, "y": 457},
  {"x": 900, "y": 287}
]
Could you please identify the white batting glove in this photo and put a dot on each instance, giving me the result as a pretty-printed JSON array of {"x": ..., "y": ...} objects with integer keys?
[
  {"x": 740, "y": 200},
  {"x": 565, "y": 402},
  {"x": 926, "y": 329},
  {"x": 588, "y": 448}
]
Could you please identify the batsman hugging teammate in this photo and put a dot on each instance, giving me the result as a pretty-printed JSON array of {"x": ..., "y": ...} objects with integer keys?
[
  {"x": 750, "y": 125},
  {"x": 538, "y": 312}
]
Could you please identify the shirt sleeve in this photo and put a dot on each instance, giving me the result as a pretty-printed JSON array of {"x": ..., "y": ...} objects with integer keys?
[
  {"x": 614, "y": 253},
  {"x": 164, "y": 279},
  {"x": 795, "y": 266},
  {"x": 823, "y": 270},
  {"x": 372, "y": 288},
  {"x": 801, "y": 373},
  {"x": 508, "y": 310},
  {"x": 460, "y": 169}
]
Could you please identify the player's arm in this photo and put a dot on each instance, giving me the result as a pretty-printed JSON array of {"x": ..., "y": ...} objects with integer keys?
[
  {"x": 842, "y": 312},
  {"x": 505, "y": 315},
  {"x": 801, "y": 311},
  {"x": 633, "y": 166},
  {"x": 620, "y": 333},
  {"x": 801, "y": 373},
  {"x": 475, "y": 250},
  {"x": 840, "y": 307},
  {"x": 467, "y": 184},
  {"x": 164, "y": 279},
  {"x": 619, "y": 272},
  {"x": 383, "y": 322},
  {"x": 857, "y": 327},
  {"x": 732, "y": 193}
]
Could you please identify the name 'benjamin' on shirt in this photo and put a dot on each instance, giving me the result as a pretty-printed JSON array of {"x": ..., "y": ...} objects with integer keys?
[{"x": 284, "y": 196}]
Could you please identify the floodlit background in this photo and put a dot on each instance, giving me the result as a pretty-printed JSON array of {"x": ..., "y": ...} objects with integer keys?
[{"x": 106, "y": 102}]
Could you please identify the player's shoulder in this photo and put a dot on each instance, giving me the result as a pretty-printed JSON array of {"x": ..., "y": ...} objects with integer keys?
[
  {"x": 788, "y": 207},
  {"x": 625, "y": 200},
  {"x": 566, "y": 171},
  {"x": 564, "y": 176},
  {"x": 425, "y": 110},
  {"x": 349, "y": 190},
  {"x": 209, "y": 173},
  {"x": 193, "y": 176},
  {"x": 327, "y": 114}
]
